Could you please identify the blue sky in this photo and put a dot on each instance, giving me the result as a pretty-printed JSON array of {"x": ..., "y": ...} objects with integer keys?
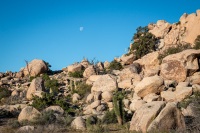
[{"x": 50, "y": 29}]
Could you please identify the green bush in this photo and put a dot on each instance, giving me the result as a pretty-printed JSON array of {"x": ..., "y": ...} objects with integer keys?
[
  {"x": 114, "y": 65},
  {"x": 197, "y": 42},
  {"x": 173, "y": 50},
  {"x": 76, "y": 74},
  {"x": 47, "y": 100},
  {"x": 109, "y": 117},
  {"x": 4, "y": 92},
  {"x": 82, "y": 89},
  {"x": 14, "y": 124},
  {"x": 46, "y": 117},
  {"x": 195, "y": 98},
  {"x": 51, "y": 84},
  {"x": 144, "y": 42}
]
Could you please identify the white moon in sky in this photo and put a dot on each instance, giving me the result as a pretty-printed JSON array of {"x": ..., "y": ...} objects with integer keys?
[{"x": 81, "y": 28}]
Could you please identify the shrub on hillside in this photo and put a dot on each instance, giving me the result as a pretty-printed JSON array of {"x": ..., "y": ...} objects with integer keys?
[
  {"x": 114, "y": 65},
  {"x": 82, "y": 89},
  {"x": 144, "y": 42},
  {"x": 47, "y": 100},
  {"x": 4, "y": 92},
  {"x": 173, "y": 50},
  {"x": 192, "y": 123},
  {"x": 46, "y": 117},
  {"x": 197, "y": 42},
  {"x": 109, "y": 117},
  {"x": 76, "y": 74}
]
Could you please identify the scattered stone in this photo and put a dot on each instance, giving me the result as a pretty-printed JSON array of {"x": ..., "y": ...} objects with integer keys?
[
  {"x": 36, "y": 85},
  {"x": 75, "y": 97},
  {"x": 148, "y": 85},
  {"x": 55, "y": 109},
  {"x": 89, "y": 71},
  {"x": 78, "y": 123},
  {"x": 107, "y": 96},
  {"x": 151, "y": 97},
  {"x": 28, "y": 113}
]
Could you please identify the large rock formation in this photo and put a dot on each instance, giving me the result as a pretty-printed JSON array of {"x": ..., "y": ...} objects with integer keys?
[
  {"x": 178, "y": 66},
  {"x": 35, "y": 67},
  {"x": 170, "y": 118},
  {"x": 143, "y": 117},
  {"x": 186, "y": 30}
]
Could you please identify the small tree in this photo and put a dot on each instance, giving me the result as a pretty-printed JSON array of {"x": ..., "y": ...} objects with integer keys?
[{"x": 144, "y": 42}]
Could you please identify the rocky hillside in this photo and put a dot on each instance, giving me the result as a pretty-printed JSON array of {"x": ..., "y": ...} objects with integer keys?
[
  {"x": 155, "y": 87},
  {"x": 182, "y": 32}
]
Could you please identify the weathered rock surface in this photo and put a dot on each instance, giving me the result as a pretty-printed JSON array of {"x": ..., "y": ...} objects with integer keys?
[
  {"x": 25, "y": 129},
  {"x": 183, "y": 93},
  {"x": 178, "y": 66},
  {"x": 136, "y": 104},
  {"x": 36, "y": 85},
  {"x": 78, "y": 123},
  {"x": 75, "y": 97},
  {"x": 105, "y": 83},
  {"x": 28, "y": 113},
  {"x": 107, "y": 96},
  {"x": 75, "y": 67},
  {"x": 150, "y": 64},
  {"x": 151, "y": 97},
  {"x": 89, "y": 71},
  {"x": 35, "y": 67},
  {"x": 128, "y": 59},
  {"x": 195, "y": 78},
  {"x": 148, "y": 85},
  {"x": 92, "y": 79},
  {"x": 170, "y": 118},
  {"x": 143, "y": 117},
  {"x": 55, "y": 109}
]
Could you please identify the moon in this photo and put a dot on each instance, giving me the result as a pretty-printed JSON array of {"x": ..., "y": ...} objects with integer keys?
[{"x": 81, "y": 28}]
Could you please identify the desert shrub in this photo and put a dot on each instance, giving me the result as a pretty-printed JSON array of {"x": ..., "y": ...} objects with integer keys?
[
  {"x": 51, "y": 84},
  {"x": 66, "y": 120},
  {"x": 45, "y": 77},
  {"x": 13, "y": 100},
  {"x": 195, "y": 98},
  {"x": 197, "y": 42},
  {"x": 173, "y": 50},
  {"x": 46, "y": 117},
  {"x": 47, "y": 99},
  {"x": 91, "y": 121},
  {"x": 82, "y": 89},
  {"x": 4, "y": 92},
  {"x": 114, "y": 65},
  {"x": 14, "y": 123},
  {"x": 109, "y": 117},
  {"x": 144, "y": 42},
  {"x": 76, "y": 74},
  {"x": 98, "y": 128}
]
